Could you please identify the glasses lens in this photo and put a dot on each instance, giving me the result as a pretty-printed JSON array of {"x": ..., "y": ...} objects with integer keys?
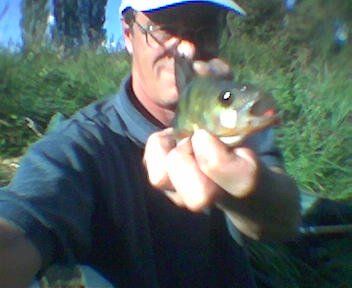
[
  {"x": 157, "y": 36},
  {"x": 206, "y": 38}
]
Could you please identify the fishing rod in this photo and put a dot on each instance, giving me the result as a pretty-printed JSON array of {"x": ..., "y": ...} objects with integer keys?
[
  {"x": 310, "y": 202},
  {"x": 325, "y": 229}
]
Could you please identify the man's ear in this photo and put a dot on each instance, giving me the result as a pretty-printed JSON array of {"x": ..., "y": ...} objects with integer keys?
[{"x": 127, "y": 35}]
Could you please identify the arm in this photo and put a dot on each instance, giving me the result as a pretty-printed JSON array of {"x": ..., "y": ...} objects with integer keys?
[
  {"x": 20, "y": 260},
  {"x": 271, "y": 211},
  {"x": 45, "y": 210},
  {"x": 202, "y": 171}
]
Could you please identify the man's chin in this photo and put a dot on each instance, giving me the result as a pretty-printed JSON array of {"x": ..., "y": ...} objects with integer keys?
[
  {"x": 169, "y": 91},
  {"x": 170, "y": 100},
  {"x": 171, "y": 103},
  {"x": 169, "y": 87}
]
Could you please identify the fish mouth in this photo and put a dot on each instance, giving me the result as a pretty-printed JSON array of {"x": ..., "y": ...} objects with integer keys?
[
  {"x": 231, "y": 140},
  {"x": 236, "y": 136}
]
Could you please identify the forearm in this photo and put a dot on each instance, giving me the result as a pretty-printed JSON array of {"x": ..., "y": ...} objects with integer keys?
[
  {"x": 20, "y": 260},
  {"x": 272, "y": 211}
]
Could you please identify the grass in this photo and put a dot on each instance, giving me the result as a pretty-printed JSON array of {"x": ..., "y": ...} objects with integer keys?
[
  {"x": 37, "y": 85},
  {"x": 295, "y": 58}
]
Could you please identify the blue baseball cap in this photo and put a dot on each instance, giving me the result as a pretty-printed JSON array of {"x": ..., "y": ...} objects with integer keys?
[{"x": 149, "y": 5}]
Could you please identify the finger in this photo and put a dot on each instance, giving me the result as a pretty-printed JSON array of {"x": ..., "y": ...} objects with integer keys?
[
  {"x": 195, "y": 189},
  {"x": 185, "y": 146},
  {"x": 157, "y": 147},
  {"x": 216, "y": 67},
  {"x": 234, "y": 170},
  {"x": 175, "y": 197}
]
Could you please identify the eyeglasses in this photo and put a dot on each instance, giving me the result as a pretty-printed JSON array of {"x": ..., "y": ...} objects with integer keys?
[{"x": 157, "y": 36}]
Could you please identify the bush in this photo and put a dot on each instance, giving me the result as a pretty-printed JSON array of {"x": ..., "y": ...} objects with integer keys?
[
  {"x": 293, "y": 55},
  {"x": 37, "y": 85}
]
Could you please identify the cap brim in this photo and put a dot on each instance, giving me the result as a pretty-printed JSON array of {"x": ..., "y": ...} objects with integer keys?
[{"x": 157, "y": 4}]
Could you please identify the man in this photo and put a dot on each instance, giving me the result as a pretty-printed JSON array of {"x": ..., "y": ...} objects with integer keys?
[{"x": 111, "y": 189}]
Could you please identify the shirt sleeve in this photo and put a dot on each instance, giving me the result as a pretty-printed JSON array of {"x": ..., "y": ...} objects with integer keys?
[
  {"x": 263, "y": 143},
  {"x": 51, "y": 196}
]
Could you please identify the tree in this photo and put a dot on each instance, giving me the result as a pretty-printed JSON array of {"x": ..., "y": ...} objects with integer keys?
[
  {"x": 79, "y": 23},
  {"x": 34, "y": 23}
]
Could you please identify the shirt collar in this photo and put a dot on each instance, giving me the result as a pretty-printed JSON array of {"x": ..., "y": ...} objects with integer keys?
[{"x": 137, "y": 126}]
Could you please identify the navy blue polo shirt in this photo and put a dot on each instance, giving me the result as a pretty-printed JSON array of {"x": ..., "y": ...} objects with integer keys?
[{"x": 81, "y": 194}]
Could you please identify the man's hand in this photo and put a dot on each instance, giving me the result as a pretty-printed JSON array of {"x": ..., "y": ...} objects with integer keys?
[
  {"x": 198, "y": 170},
  {"x": 20, "y": 259},
  {"x": 215, "y": 67},
  {"x": 201, "y": 171}
]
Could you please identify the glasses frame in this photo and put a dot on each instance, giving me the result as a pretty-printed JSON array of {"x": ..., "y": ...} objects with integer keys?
[{"x": 147, "y": 33}]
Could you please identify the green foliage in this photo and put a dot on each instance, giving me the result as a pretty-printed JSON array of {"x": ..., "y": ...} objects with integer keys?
[
  {"x": 269, "y": 261},
  {"x": 293, "y": 55},
  {"x": 34, "y": 23},
  {"x": 78, "y": 24},
  {"x": 327, "y": 264},
  {"x": 39, "y": 84},
  {"x": 317, "y": 143}
]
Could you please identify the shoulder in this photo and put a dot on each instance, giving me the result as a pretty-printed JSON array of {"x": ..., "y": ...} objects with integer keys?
[
  {"x": 102, "y": 116},
  {"x": 96, "y": 117},
  {"x": 93, "y": 132}
]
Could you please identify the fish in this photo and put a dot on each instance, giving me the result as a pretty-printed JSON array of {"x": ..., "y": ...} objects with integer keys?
[{"x": 231, "y": 111}]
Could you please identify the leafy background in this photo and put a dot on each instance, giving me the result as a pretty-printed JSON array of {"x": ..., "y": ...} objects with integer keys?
[{"x": 293, "y": 54}]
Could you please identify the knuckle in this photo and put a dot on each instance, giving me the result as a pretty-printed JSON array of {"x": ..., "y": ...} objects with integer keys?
[{"x": 197, "y": 206}]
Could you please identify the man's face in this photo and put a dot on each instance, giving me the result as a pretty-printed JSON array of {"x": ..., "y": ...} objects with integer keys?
[{"x": 190, "y": 29}]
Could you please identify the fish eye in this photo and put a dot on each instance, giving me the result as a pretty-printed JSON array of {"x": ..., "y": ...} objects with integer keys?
[{"x": 226, "y": 97}]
